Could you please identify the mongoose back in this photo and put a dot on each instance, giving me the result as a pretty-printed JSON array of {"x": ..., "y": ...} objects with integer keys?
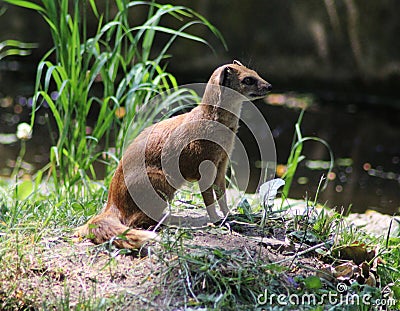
[{"x": 122, "y": 215}]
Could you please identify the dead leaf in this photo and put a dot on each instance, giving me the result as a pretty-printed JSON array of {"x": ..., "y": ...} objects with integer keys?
[
  {"x": 344, "y": 272},
  {"x": 355, "y": 252},
  {"x": 326, "y": 272}
]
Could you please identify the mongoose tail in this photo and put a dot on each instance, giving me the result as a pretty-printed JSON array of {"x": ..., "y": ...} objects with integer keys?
[{"x": 103, "y": 228}]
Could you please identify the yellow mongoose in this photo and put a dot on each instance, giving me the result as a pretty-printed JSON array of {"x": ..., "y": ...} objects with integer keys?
[{"x": 122, "y": 213}]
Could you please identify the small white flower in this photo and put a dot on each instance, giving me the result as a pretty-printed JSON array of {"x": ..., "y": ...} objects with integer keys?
[{"x": 24, "y": 131}]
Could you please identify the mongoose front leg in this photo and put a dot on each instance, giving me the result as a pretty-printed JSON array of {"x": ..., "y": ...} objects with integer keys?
[
  {"x": 220, "y": 186},
  {"x": 209, "y": 201}
]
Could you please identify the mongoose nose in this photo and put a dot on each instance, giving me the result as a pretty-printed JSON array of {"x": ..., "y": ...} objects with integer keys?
[{"x": 269, "y": 87}]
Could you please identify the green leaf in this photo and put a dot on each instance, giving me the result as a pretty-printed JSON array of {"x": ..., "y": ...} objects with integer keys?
[
  {"x": 26, "y": 4},
  {"x": 15, "y": 48},
  {"x": 245, "y": 208},
  {"x": 18, "y": 44},
  {"x": 38, "y": 179},
  {"x": 94, "y": 8},
  {"x": 172, "y": 32},
  {"x": 396, "y": 291},
  {"x": 313, "y": 282},
  {"x": 24, "y": 189}
]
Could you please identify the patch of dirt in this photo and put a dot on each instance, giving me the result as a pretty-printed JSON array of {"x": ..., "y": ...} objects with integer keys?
[
  {"x": 269, "y": 250},
  {"x": 56, "y": 271},
  {"x": 376, "y": 223}
]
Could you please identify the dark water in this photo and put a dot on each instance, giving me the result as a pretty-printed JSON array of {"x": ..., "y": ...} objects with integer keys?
[
  {"x": 364, "y": 138},
  {"x": 366, "y": 145}
]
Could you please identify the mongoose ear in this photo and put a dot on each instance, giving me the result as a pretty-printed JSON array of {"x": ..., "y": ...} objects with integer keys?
[
  {"x": 236, "y": 62},
  {"x": 224, "y": 76}
]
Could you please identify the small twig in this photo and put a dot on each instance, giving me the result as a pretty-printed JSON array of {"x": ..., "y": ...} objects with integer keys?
[
  {"x": 188, "y": 203},
  {"x": 161, "y": 221},
  {"x": 388, "y": 234},
  {"x": 248, "y": 254},
  {"x": 143, "y": 299},
  {"x": 225, "y": 218},
  {"x": 82, "y": 284},
  {"x": 305, "y": 230},
  {"x": 304, "y": 252}
]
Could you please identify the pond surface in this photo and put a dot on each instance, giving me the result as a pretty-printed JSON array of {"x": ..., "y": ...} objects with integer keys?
[
  {"x": 364, "y": 138},
  {"x": 365, "y": 141}
]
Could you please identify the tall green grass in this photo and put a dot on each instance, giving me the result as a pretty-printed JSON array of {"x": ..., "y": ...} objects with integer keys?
[
  {"x": 296, "y": 156},
  {"x": 111, "y": 72}
]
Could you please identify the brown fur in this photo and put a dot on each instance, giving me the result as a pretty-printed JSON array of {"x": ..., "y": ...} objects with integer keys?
[{"x": 121, "y": 212}]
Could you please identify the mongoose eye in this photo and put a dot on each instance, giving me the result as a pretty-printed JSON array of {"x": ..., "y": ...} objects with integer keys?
[{"x": 249, "y": 81}]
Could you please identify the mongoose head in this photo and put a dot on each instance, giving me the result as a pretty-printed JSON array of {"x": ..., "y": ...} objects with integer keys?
[{"x": 241, "y": 79}]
